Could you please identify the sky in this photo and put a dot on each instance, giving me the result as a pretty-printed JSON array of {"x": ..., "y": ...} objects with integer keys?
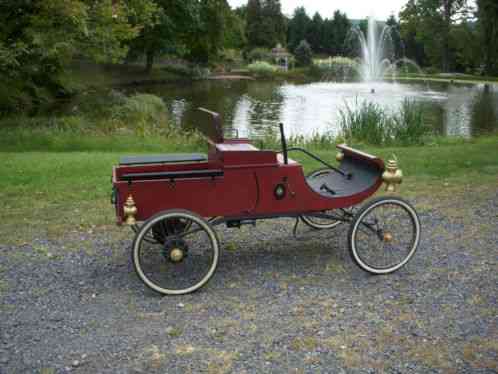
[{"x": 354, "y": 9}]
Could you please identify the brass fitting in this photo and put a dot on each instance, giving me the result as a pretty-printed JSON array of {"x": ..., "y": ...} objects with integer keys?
[
  {"x": 176, "y": 255},
  {"x": 392, "y": 176},
  {"x": 130, "y": 211},
  {"x": 340, "y": 156}
]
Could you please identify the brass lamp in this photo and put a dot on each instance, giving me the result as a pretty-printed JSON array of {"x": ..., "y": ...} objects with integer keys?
[
  {"x": 130, "y": 211},
  {"x": 392, "y": 176}
]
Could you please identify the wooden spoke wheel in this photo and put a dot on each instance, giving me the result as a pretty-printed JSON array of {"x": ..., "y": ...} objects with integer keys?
[
  {"x": 384, "y": 235},
  {"x": 182, "y": 256}
]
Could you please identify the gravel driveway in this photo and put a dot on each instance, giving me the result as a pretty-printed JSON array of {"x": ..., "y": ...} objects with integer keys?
[{"x": 275, "y": 304}]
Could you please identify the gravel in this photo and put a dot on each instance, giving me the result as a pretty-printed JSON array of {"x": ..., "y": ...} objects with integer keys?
[{"x": 275, "y": 304}]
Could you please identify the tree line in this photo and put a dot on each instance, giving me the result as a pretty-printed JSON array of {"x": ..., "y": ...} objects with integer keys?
[{"x": 39, "y": 39}]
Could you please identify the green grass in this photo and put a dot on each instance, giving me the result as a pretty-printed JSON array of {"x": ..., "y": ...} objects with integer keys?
[
  {"x": 53, "y": 193},
  {"x": 461, "y": 78}
]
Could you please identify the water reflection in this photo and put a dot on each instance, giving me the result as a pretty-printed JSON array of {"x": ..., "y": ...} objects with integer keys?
[{"x": 256, "y": 107}]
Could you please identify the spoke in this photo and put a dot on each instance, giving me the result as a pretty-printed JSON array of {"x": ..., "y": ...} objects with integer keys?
[
  {"x": 183, "y": 259},
  {"x": 381, "y": 252}
]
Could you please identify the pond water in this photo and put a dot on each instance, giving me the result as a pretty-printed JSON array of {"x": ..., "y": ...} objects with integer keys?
[{"x": 253, "y": 107}]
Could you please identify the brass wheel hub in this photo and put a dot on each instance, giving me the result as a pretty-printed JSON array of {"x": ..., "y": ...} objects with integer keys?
[
  {"x": 176, "y": 255},
  {"x": 175, "y": 250},
  {"x": 388, "y": 237}
]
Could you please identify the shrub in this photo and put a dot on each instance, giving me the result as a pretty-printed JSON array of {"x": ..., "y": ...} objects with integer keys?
[
  {"x": 262, "y": 69},
  {"x": 338, "y": 68},
  {"x": 179, "y": 69},
  {"x": 146, "y": 112},
  {"x": 432, "y": 70},
  {"x": 259, "y": 54},
  {"x": 199, "y": 72},
  {"x": 304, "y": 55}
]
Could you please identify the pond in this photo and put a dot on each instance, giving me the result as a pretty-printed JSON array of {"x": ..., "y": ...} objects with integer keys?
[{"x": 253, "y": 107}]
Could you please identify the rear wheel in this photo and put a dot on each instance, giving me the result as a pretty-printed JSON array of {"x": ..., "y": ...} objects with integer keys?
[
  {"x": 315, "y": 222},
  {"x": 384, "y": 235},
  {"x": 183, "y": 255}
]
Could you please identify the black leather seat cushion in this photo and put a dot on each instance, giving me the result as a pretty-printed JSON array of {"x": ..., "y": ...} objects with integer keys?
[{"x": 163, "y": 159}]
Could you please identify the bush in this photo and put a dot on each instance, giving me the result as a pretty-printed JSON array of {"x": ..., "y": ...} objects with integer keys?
[
  {"x": 432, "y": 70},
  {"x": 262, "y": 69},
  {"x": 259, "y": 54},
  {"x": 338, "y": 68},
  {"x": 304, "y": 55},
  {"x": 179, "y": 69},
  {"x": 146, "y": 112},
  {"x": 199, "y": 72}
]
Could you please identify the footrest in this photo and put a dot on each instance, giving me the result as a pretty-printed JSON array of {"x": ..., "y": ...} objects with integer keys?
[{"x": 163, "y": 159}]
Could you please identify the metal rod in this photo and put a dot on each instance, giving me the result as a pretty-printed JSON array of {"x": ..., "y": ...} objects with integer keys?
[
  {"x": 342, "y": 172},
  {"x": 284, "y": 144}
]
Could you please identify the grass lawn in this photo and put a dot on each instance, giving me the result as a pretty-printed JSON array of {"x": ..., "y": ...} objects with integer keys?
[
  {"x": 54, "y": 193},
  {"x": 457, "y": 78}
]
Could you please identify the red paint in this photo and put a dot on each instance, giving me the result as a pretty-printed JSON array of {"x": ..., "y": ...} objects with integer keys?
[{"x": 246, "y": 189}]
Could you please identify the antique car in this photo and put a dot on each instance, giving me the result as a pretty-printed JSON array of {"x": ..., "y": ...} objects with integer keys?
[{"x": 173, "y": 202}]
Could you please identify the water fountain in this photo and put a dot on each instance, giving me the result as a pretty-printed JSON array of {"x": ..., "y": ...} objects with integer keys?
[{"x": 377, "y": 52}]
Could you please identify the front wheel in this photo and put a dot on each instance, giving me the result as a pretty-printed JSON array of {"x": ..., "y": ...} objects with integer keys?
[
  {"x": 384, "y": 235},
  {"x": 177, "y": 261}
]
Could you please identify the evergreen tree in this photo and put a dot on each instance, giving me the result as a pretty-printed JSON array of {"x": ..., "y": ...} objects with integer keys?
[
  {"x": 254, "y": 19},
  {"x": 266, "y": 26},
  {"x": 298, "y": 28},
  {"x": 488, "y": 25},
  {"x": 316, "y": 34},
  {"x": 304, "y": 54},
  {"x": 342, "y": 27},
  {"x": 273, "y": 23}
]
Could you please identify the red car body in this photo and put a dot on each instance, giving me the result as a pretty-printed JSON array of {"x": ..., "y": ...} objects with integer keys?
[{"x": 240, "y": 181}]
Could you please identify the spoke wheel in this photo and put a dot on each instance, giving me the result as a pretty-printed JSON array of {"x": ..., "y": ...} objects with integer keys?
[
  {"x": 183, "y": 255},
  {"x": 384, "y": 235},
  {"x": 169, "y": 226},
  {"x": 315, "y": 222}
]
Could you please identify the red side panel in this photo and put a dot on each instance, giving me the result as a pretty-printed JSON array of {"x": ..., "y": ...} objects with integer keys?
[{"x": 233, "y": 194}]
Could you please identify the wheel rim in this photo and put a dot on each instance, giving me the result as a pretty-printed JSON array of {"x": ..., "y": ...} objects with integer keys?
[
  {"x": 315, "y": 222},
  {"x": 321, "y": 223},
  {"x": 179, "y": 261},
  {"x": 385, "y": 236}
]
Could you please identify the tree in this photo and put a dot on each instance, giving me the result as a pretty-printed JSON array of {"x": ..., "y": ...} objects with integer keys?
[
  {"x": 266, "y": 26},
  {"x": 433, "y": 20},
  {"x": 39, "y": 39},
  {"x": 208, "y": 39},
  {"x": 488, "y": 24},
  {"x": 254, "y": 19},
  {"x": 342, "y": 27},
  {"x": 274, "y": 23},
  {"x": 315, "y": 33},
  {"x": 395, "y": 37},
  {"x": 304, "y": 54},
  {"x": 298, "y": 28},
  {"x": 173, "y": 23},
  {"x": 464, "y": 42},
  {"x": 413, "y": 46},
  {"x": 235, "y": 33}
]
